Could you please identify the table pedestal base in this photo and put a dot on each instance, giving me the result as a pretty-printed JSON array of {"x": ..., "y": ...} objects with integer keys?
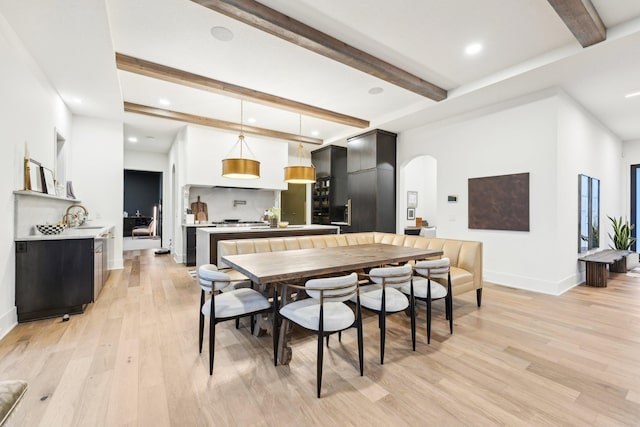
[{"x": 597, "y": 274}]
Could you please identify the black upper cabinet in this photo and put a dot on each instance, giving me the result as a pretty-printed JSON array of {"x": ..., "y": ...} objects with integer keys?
[
  {"x": 374, "y": 149},
  {"x": 329, "y": 192},
  {"x": 371, "y": 163}
]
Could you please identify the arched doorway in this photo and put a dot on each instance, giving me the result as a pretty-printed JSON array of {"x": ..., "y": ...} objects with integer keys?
[{"x": 418, "y": 175}]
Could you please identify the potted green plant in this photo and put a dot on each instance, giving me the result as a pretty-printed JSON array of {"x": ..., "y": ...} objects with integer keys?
[{"x": 622, "y": 240}]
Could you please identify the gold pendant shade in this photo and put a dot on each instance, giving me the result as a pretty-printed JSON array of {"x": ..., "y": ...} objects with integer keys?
[
  {"x": 300, "y": 174},
  {"x": 241, "y": 168}
]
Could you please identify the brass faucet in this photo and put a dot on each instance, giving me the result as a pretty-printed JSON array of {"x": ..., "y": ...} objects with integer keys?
[{"x": 72, "y": 219}]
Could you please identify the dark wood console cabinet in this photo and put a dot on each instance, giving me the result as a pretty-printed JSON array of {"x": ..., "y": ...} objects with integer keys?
[{"x": 54, "y": 277}]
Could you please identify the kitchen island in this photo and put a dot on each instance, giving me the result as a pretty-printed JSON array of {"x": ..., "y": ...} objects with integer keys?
[{"x": 207, "y": 238}]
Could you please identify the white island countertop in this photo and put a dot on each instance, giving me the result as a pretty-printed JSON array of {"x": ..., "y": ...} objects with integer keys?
[
  {"x": 204, "y": 235},
  {"x": 259, "y": 228},
  {"x": 81, "y": 232}
]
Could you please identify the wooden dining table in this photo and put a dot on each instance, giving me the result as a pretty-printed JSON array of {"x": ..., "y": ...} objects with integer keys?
[{"x": 294, "y": 266}]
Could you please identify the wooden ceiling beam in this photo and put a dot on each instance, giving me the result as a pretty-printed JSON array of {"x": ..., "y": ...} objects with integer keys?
[
  {"x": 130, "y": 107},
  {"x": 173, "y": 75},
  {"x": 582, "y": 19},
  {"x": 273, "y": 22}
]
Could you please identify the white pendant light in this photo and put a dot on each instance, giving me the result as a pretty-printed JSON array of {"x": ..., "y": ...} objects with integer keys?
[
  {"x": 240, "y": 167},
  {"x": 300, "y": 174}
]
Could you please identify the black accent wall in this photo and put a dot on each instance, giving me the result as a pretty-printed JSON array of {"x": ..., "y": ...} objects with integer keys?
[{"x": 142, "y": 190}]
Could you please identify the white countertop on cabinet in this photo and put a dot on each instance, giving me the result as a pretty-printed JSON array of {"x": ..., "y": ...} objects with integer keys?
[{"x": 81, "y": 232}]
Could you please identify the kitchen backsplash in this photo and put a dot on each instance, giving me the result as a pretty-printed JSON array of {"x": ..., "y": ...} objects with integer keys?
[{"x": 234, "y": 203}]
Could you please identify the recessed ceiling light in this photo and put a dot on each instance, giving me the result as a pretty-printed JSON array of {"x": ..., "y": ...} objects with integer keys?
[
  {"x": 473, "y": 49},
  {"x": 132, "y": 139},
  {"x": 251, "y": 120},
  {"x": 315, "y": 133},
  {"x": 375, "y": 90},
  {"x": 632, "y": 94},
  {"x": 222, "y": 33},
  {"x": 163, "y": 101}
]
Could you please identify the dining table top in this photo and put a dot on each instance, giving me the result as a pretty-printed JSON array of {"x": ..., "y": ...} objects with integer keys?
[{"x": 293, "y": 265}]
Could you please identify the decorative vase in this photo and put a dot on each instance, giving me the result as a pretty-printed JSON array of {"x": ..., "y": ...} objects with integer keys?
[{"x": 273, "y": 222}]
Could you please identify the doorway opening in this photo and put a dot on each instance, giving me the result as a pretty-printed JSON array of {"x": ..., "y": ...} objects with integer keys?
[
  {"x": 294, "y": 204},
  {"x": 418, "y": 195},
  {"x": 635, "y": 204},
  {"x": 142, "y": 222}
]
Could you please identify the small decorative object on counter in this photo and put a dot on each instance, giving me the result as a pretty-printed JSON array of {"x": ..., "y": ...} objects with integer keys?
[
  {"x": 274, "y": 217},
  {"x": 50, "y": 229}
]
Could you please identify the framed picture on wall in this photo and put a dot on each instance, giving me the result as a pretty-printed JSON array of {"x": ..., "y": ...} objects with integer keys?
[
  {"x": 49, "y": 186},
  {"x": 411, "y": 213},
  {"x": 35, "y": 177},
  {"x": 412, "y": 199}
]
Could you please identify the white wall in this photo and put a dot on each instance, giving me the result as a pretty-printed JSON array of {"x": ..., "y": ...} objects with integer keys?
[
  {"x": 30, "y": 111},
  {"x": 155, "y": 162},
  {"x": 97, "y": 174},
  {"x": 585, "y": 146},
  {"x": 539, "y": 137},
  {"x": 178, "y": 188},
  {"x": 206, "y": 147}
]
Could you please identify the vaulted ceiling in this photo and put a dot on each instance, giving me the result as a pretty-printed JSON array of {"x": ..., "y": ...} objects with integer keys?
[{"x": 326, "y": 63}]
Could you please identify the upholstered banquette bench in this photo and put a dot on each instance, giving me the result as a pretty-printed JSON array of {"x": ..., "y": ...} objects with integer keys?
[{"x": 465, "y": 256}]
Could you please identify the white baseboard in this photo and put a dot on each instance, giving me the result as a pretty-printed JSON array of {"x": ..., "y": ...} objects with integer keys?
[
  {"x": 534, "y": 284},
  {"x": 8, "y": 321}
]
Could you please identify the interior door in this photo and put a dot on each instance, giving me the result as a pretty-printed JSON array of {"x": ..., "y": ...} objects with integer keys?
[{"x": 293, "y": 202}]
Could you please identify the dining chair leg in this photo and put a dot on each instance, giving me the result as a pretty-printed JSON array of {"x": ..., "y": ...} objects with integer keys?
[
  {"x": 319, "y": 364},
  {"x": 383, "y": 325},
  {"x": 238, "y": 323},
  {"x": 412, "y": 303},
  {"x": 274, "y": 329},
  {"x": 340, "y": 336},
  {"x": 320, "y": 350},
  {"x": 327, "y": 341},
  {"x": 449, "y": 300},
  {"x": 212, "y": 340},
  {"x": 428, "y": 311},
  {"x": 360, "y": 340},
  {"x": 253, "y": 323},
  {"x": 201, "y": 329}
]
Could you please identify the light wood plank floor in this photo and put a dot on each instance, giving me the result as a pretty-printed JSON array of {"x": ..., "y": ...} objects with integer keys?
[{"x": 522, "y": 359}]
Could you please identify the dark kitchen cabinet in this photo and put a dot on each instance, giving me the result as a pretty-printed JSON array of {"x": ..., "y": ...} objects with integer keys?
[
  {"x": 53, "y": 277},
  {"x": 371, "y": 181},
  {"x": 191, "y": 246},
  {"x": 329, "y": 192}
]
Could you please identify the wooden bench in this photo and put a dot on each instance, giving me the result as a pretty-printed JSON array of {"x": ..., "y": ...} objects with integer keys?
[{"x": 596, "y": 266}]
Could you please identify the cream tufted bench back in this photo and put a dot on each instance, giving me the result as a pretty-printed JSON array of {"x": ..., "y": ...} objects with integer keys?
[{"x": 465, "y": 255}]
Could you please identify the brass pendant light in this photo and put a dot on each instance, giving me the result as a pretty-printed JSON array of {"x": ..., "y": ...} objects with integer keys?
[
  {"x": 241, "y": 168},
  {"x": 300, "y": 174}
]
